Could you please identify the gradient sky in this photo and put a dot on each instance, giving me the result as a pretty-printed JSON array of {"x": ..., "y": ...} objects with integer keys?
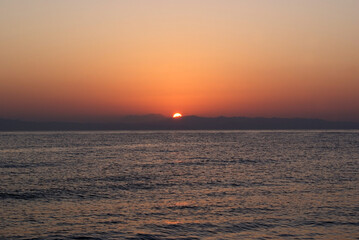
[{"x": 69, "y": 60}]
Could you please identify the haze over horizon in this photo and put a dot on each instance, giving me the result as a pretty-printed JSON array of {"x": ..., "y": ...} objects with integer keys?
[{"x": 66, "y": 60}]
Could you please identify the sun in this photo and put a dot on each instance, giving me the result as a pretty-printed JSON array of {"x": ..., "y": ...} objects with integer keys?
[{"x": 177, "y": 115}]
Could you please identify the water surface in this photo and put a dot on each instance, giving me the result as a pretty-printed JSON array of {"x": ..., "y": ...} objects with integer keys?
[{"x": 180, "y": 185}]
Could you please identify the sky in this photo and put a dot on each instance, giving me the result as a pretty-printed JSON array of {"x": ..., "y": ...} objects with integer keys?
[{"x": 77, "y": 60}]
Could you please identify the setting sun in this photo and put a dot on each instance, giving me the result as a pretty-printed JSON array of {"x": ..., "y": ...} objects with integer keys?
[{"x": 177, "y": 115}]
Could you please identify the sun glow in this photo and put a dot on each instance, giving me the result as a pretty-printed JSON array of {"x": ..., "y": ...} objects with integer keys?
[{"x": 177, "y": 115}]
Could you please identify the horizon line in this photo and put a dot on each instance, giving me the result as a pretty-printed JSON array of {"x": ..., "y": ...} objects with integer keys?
[{"x": 107, "y": 119}]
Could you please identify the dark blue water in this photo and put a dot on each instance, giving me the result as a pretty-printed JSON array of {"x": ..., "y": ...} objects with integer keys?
[{"x": 180, "y": 185}]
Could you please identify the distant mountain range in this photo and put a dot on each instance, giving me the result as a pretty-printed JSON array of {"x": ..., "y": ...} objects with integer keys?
[{"x": 159, "y": 122}]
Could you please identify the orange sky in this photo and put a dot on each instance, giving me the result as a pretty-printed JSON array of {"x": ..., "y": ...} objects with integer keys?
[{"x": 68, "y": 60}]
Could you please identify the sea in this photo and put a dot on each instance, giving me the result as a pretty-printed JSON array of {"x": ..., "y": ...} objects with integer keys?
[{"x": 179, "y": 185}]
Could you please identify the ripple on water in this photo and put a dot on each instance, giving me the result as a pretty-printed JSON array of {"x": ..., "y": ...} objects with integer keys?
[{"x": 180, "y": 185}]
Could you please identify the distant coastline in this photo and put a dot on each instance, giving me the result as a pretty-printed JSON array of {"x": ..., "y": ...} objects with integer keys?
[{"x": 159, "y": 122}]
